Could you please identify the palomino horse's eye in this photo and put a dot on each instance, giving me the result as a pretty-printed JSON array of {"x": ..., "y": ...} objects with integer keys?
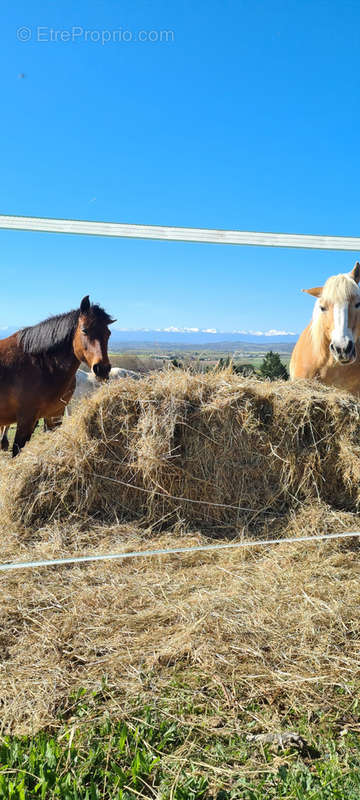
[{"x": 322, "y": 308}]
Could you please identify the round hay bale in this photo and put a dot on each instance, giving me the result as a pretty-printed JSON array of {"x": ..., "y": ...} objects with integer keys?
[{"x": 214, "y": 450}]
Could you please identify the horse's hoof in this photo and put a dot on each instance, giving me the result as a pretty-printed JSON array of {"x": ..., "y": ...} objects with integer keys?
[{"x": 4, "y": 444}]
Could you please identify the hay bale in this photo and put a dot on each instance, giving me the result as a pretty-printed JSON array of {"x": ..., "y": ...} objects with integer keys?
[{"x": 218, "y": 451}]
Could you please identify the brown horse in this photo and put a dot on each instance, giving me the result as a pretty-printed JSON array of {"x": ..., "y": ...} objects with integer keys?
[
  {"x": 329, "y": 348},
  {"x": 38, "y": 367}
]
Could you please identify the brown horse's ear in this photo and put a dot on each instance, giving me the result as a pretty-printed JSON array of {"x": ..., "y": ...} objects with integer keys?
[
  {"x": 112, "y": 320},
  {"x": 85, "y": 305},
  {"x": 316, "y": 291},
  {"x": 355, "y": 273}
]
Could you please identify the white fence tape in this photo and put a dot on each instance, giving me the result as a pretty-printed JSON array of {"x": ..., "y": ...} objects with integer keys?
[
  {"x": 176, "y": 234},
  {"x": 60, "y": 562}
]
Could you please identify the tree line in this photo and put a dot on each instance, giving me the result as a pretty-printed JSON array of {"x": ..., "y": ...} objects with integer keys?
[{"x": 271, "y": 368}]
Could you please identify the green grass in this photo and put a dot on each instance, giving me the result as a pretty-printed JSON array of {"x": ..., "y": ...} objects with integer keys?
[{"x": 149, "y": 752}]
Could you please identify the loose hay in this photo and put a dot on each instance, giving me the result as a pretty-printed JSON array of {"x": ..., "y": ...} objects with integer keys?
[
  {"x": 214, "y": 451},
  {"x": 278, "y": 627}
]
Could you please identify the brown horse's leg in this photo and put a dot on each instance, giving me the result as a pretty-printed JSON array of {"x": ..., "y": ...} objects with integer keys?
[
  {"x": 51, "y": 423},
  {"x": 24, "y": 430},
  {"x": 4, "y": 438}
]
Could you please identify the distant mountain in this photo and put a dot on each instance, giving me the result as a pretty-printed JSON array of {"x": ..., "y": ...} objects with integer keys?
[
  {"x": 208, "y": 340},
  {"x": 188, "y": 338}
]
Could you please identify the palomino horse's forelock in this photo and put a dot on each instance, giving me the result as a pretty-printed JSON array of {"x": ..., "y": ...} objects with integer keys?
[{"x": 339, "y": 289}]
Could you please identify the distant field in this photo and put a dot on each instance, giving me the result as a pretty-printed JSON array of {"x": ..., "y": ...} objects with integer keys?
[
  {"x": 160, "y": 348},
  {"x": 148, "y": 360}
]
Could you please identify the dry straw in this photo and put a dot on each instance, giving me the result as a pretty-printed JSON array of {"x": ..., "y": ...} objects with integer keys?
[
  {"x": 279, "y": 629},
  {"x": 222, "y": 453}
]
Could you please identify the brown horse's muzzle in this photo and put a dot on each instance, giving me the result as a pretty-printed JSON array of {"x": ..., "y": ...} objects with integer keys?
[{"x": 101, "y": 371}]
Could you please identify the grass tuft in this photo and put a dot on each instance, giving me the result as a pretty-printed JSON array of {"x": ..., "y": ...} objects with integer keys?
[{"x": 149, "y": 755}]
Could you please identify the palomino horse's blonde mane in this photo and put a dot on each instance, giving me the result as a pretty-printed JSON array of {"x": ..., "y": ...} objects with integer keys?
[{"x": 337, "y": 289}]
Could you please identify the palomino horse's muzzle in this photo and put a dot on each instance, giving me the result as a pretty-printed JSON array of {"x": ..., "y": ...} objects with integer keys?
[
  {"x": 101, "y": 371},
  {"x": 344, "y": 354}
]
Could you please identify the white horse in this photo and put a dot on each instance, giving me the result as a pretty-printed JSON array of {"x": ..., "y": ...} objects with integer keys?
[{"x": 86, "y": 384}]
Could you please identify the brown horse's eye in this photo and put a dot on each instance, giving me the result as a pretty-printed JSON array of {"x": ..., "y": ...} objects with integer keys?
[
  {"x": 85, "y": 331},
  {"x": 357, "y": 305}
]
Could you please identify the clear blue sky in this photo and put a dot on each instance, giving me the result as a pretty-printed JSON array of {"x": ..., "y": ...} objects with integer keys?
[{"x": 248, "y": 118}]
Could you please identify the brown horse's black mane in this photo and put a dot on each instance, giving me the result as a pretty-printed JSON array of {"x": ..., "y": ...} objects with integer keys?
[{"x": 56, "y": 333}]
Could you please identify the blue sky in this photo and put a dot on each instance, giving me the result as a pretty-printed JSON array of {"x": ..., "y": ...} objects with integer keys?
[{"x": 247, "y": 118}]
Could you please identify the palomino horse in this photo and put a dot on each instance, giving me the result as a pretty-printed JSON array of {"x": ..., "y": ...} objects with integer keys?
[
  {"x": 329, "y": 348},
  {"x": 38, "y": 367}
]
